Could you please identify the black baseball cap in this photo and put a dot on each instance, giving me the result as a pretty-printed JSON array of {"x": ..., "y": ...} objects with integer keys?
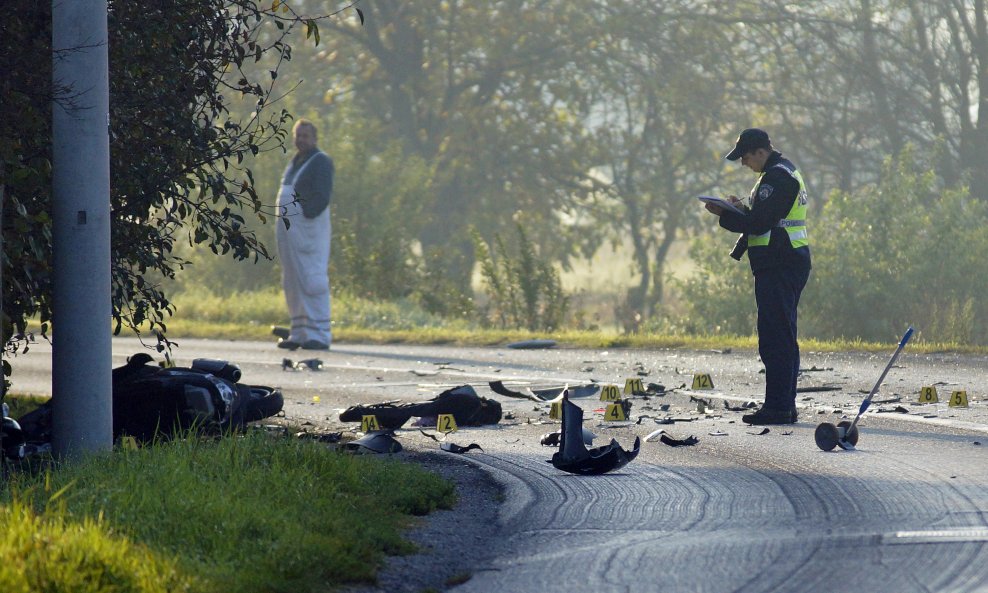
[{"x": 749, "y": 140}]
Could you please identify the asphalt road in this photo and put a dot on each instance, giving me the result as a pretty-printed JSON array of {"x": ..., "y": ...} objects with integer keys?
[{"x": 739, "y": 511}]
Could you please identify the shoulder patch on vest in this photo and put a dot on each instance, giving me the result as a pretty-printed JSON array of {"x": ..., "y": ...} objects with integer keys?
[{"x": 764, "y": 191}]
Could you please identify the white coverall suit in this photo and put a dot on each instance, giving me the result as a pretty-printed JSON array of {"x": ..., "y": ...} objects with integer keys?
[{"x": 304, "y": 251}]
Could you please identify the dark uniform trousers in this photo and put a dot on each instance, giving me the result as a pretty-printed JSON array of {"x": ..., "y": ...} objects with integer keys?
[{"x": 777, "y": 291}]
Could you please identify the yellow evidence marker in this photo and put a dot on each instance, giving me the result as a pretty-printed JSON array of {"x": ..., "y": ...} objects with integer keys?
[
  {"x": 928, "y": 395},
  {"x": 610, "y": 393},
  {"x": 369, "y": 423},
  {"x": 614, "y": 412},
  {"x": 556, "y": 410},
  {"x": 633, "y": 386},
  {"x": 958, "y": 399},
  {"x": 702, "y": 381},
  {"x": 446, "y": 423}
]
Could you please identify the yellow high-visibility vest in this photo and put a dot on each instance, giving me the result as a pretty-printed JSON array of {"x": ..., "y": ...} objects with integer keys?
[{"x": 794, "y": 222}]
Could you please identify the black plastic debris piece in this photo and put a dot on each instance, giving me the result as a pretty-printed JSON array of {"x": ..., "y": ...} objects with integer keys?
[
  {"x": 499, "y": 388},
  {"x": 742, "y": 408},
  {"x": 574, "y": 457},
  {"x": 587, "y": 390},
  {"x": 552, "y": 393},
  {"x": 313, "y": 364},
  {"x": 548, "y": 393},
  {"x": 551, "y": 439},
  {"x": 460, "y": 450},
  {"x": 890, "y": 400},
  {"x": 310, "y": 364},
  {"x": 895, "y": 410},
  {"x": 431, "y": 436},
  {"x": 655, "y": 389},
  {"x": 320, "y": 437},
  {"x": 374, "y": 442},
  {"x": 687, "y": 442},
  {"x": 760, "y": 432},
  {"x": 817, "y": 388}
]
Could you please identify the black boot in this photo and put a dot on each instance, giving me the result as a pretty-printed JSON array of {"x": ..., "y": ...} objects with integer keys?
[{"x": 770, "y": 416}]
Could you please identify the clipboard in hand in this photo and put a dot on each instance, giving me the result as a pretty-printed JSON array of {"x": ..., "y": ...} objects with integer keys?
[{"x": 720, "y": 202}]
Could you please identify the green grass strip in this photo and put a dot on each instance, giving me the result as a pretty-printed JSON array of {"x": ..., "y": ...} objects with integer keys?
[
  {"x": 254, "y": 513},
  {"x": 178, "y": 329},
  {"x": 51, "y": 552}
]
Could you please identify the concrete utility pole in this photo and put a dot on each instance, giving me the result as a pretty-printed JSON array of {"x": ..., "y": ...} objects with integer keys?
[{"x": 81, "y": 346}]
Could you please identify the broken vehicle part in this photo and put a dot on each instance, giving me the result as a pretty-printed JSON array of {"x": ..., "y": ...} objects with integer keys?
[
  {"x": 742, "y": 408},
  {"x": 688, "y": 441},
  {"x": 312, "y": 364},
  {"x": 655, "y": 389},
  {"x": 573, "y": 392},
  {"x": 551, "y": 439},
  {"x": 574, "y": 457},
  {"x": 654, "y": 435},
  {"x": 817, "y": 388},
  {"x": 499, "y": 388},
  {"x": 374, "y": 442},
  {"x": 431, "y": 436},
  {"x": 458, "y": 449}
]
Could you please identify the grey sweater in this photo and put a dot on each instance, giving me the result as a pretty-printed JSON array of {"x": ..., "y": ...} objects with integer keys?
[{"x": 314, "y": 187}]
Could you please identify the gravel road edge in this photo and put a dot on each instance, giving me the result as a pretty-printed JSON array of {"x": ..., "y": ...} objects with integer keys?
[{"x": 453, "y": 544}]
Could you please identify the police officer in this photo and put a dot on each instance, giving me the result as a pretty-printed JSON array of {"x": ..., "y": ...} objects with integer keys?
[{"x": 773, "y": 232}]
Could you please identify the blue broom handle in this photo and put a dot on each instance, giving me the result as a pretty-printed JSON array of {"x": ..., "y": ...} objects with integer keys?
[{"x": 902, "y": 344}]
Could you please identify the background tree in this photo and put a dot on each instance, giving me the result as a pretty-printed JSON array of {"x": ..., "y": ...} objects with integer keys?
[
  {"x": 484, "y": 94},
  {"x": 851, "y": 81},
  {"x": 658, "y": 104},
  {"x": 176, "y": 151}
]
